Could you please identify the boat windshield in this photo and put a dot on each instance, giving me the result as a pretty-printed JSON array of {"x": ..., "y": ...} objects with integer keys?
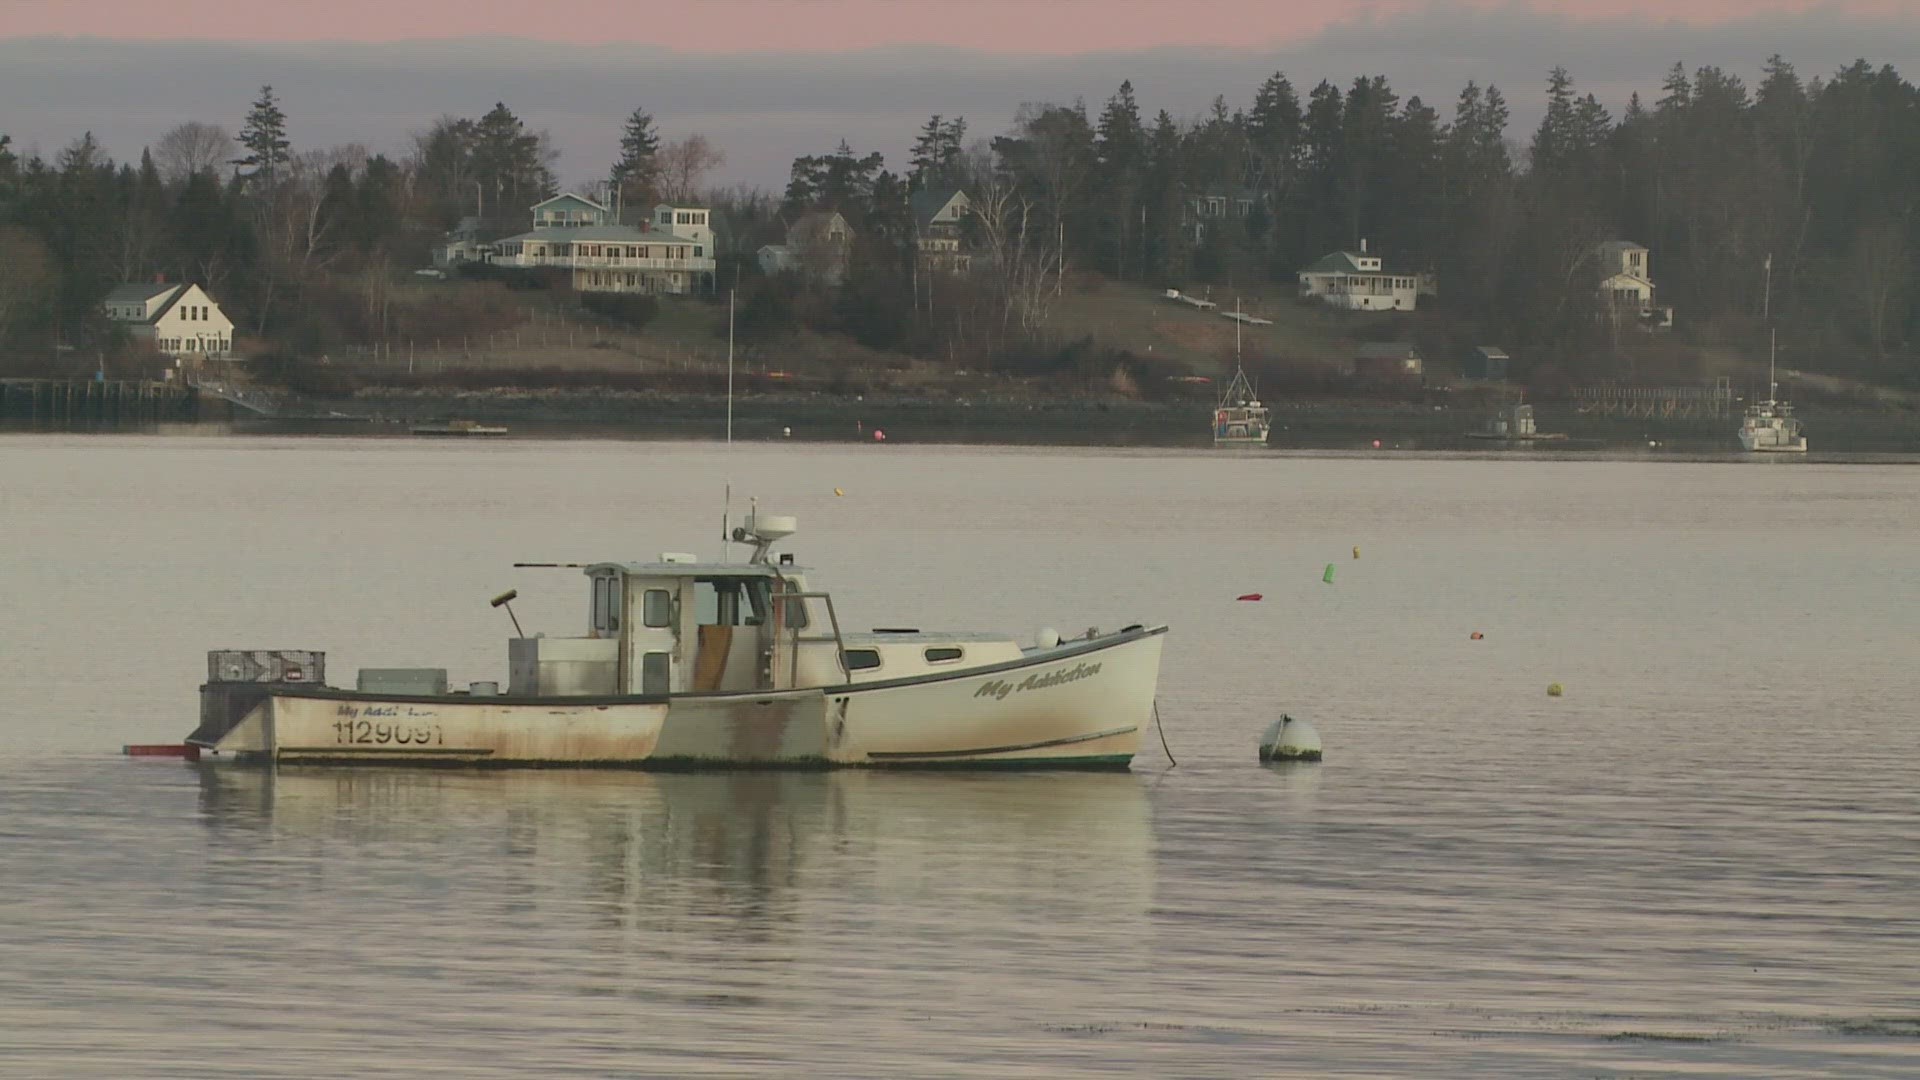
[{"x": 741, "y": 601}]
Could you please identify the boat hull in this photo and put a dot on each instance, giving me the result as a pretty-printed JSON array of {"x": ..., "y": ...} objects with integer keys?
[
  {"x": 1082, "y": 705},
  {"x": 1761, "y": 446}
]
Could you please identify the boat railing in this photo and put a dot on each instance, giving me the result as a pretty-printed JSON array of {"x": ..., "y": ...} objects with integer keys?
[{"x": 793, "y": 656}]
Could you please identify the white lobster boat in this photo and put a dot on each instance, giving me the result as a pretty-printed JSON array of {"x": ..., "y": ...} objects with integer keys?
[{"x": 707, "y": 665}]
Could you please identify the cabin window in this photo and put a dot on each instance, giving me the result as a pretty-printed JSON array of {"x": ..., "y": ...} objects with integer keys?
[
  {"x": 656, "y": 608},
  {"x": 862, "y": 659},
  {"x": 606, "y": 605},
  {"x": 944, "y": 654},
  {"x": 656, "y": 673}
]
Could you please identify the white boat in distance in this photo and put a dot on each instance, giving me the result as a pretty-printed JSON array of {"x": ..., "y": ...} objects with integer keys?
[
  {"x": 1769, "y": 427},
  {"x": 1239, "y": 419},
  {"x": 707, "y": 665}
]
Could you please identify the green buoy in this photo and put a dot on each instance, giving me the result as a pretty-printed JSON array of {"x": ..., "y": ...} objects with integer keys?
[{"x": 1328, "y": 576}]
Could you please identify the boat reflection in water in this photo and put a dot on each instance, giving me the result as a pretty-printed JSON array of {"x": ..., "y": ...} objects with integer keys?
[{"x": 645, "y": 849}]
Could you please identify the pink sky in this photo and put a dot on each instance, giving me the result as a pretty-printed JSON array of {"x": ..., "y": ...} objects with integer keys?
[{"x": 1045, "y": 26}]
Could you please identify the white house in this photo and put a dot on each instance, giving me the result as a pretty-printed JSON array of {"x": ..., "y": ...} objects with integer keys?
[
  {"x": 180, "y": 320},
  {"x": 776, "y": 259},
  {"x": 671, "y": 252},
  {"x": 1626, "y": 283},
  {"x": 938, "y": 214},
  {"x": 462, "y": 245},
  {"x": 1357, "y": 281}
]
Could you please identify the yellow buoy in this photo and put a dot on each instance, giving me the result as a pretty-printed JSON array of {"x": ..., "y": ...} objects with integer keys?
[
  {"x": 1356, "y": 551},
  {"x": 1553, "y": 690},
  {"x": 837, "y": 491}
]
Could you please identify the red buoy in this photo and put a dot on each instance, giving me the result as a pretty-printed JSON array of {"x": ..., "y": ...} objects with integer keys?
[
  {"x": 879, "y": 436},
  {"x": 1249, "y": 596},
  {"x": 1477, "y": 635}
]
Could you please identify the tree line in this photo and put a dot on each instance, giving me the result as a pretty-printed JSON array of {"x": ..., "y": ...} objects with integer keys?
[{"x": 1786, "y": 205}]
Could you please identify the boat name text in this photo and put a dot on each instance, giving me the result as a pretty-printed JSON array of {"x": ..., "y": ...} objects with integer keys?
[
  {"x": 379, "y": 734},
  {"x": 998, "y": 689}
]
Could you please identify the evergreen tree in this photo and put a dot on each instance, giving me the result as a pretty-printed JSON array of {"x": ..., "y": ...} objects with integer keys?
[
  {"x": 1273, "y": 132},
  {"x": 638, "y": 167},
  {"x": 508, "y": 164},
  {"x": 264, "y": 138},
  {"x": 925, "y": 160}
]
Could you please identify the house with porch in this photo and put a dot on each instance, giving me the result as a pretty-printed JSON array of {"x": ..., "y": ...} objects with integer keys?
[
  {"x": 939, "y": 239},
  {"x": 1626, "y": 284},
  {"x": 180, "y": 320},
  {"x": 1357, "y": 281},
  {"x": 669, "y": 251}
]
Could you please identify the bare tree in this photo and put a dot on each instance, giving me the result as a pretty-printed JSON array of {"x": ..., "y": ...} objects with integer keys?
[
  {"x": 191, "y": 148},
  {"x": 1024, "y": 259},
  {"x": 684, "y": 163}
]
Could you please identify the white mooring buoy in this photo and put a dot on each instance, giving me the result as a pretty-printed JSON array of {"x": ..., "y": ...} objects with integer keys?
[{"x": 1287, "y": 739}]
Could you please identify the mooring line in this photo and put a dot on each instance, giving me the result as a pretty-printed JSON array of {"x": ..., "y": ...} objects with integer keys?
[{"x": 1157, "y": 726}]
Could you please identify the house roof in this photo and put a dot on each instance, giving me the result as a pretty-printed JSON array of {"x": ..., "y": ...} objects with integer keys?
[
  {"x": 1492, "y": 352},
  {"x": 813, "y": 223},
  {"x": 1635, "y": 278},
  {"x": 1386, "y": 350},
  {"x": 1348, "y": 262},
  {"x": 569, "y": 196},
  {"x": 1621, "y": 245},
  {"x": 1340, "y": 262},
  {"x": 139, "y": 292},
  {"x": 927, "y": 202},
  {"x": 169, "y": 304}
]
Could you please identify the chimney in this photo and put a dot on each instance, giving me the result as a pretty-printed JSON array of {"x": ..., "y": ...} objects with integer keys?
[
  {"x": 160, "y": 279},
  {"x": 1363, "y": 245}
]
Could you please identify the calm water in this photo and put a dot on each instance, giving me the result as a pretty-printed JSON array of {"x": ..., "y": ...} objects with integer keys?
[{"x": 1703, "y": 860}]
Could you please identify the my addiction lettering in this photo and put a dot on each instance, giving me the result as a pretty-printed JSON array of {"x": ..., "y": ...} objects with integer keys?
[{"x": 999, "y": 689}]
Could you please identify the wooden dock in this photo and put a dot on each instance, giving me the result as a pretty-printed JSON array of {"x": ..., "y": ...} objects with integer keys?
[{"x": 95, "y": 399}]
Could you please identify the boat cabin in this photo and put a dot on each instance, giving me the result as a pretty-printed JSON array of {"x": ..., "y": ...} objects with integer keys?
[{"x": 679, "y": 626}]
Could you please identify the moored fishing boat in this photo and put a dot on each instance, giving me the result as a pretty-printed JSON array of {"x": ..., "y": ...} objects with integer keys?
[
  {"x": 690, "y": 664},
  {"x": 1239, "y": 419}
]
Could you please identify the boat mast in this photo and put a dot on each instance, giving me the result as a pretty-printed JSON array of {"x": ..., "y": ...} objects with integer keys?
[
  {"x": 1766, "y": 310},
  {"x": 726, "y": 506}
]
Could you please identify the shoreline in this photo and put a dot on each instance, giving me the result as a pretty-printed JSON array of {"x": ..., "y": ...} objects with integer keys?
[
  {"x": 799, "y": 417},
  {"x": 1315, "y": 425}
]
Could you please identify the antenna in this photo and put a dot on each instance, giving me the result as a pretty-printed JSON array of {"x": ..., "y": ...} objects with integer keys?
[{"x": 726, "y": 506}]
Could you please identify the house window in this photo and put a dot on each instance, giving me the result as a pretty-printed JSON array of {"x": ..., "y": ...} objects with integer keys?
[{"x": 696, "y": 252}]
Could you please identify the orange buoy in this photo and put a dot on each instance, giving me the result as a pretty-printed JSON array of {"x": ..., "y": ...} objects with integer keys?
[
  {"x": 879, "y": 436},
  {"x": 1477, "y": 635}
]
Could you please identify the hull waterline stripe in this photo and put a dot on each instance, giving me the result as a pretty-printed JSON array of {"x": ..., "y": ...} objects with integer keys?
[
  {"x": 901, "y": 755},
  {"x": 388, "y": 751}
]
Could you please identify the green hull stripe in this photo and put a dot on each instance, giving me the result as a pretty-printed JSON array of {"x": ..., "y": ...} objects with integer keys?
[
  {"x": 907, "y": 755},
  {"x": 442, "y": 761}
]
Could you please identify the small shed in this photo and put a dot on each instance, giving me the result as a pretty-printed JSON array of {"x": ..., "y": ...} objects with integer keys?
[
  {"x": 1387, "y": 359},
  {"x": 1485, "y": 362}
]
